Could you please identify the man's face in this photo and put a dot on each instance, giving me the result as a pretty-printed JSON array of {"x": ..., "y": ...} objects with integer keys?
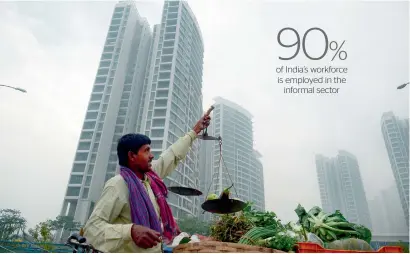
[{"x": 142, "y": 160}]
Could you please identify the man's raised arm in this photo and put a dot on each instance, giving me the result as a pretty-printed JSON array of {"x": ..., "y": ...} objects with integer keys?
[{"x": 171, "y": 157}]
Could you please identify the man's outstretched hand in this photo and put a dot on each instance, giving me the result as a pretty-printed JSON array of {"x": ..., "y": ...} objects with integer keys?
[
  {"x": 145, "y": 237},
  {"x": 202, "y": 123}
]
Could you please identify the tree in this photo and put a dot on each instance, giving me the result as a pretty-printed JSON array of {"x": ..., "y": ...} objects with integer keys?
[
  {"x": 192, "y": 225},
  {"x": 65, "y": 223},
  {"x": 12, "y": 224},
  {"x": 43, "y": 234}
]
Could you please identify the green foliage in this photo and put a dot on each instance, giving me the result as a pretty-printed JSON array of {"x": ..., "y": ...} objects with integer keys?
[
  {"x": 269, "y": 237},
  {"x": 66, "y": 223},
  {"x": 365, "y": 233},
  {"x": 330, "y": 227},
  {"x": 43, "y": 234},
  {"x": 283, "y": 242},
  {"x": 254, "y": 228},
  {"x": 230, "y": 227},
  {"x": 193, "y": 225},
  {"x": 12, "y": 224},
  {"x": 262, "y": 219}
]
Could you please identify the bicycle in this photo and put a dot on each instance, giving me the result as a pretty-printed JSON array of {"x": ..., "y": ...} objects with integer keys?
[{"x": 79, "y": 244}]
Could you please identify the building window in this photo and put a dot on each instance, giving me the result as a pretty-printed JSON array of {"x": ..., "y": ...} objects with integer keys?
[
  {"x": 163, "y": 84},
  {"x": 85, "y": 193},
  {"x": 78, "y": 167},
  {"x": 73, "y": 191},
  {"x": 158, "y": 123},
  {"x": 161, "y": 103},
  {"x": 106, "y": 56},
  {"x": 90, "y": 169},
  {"x": 88, "y": 180},
  {"x": 160, "y": 112},
  {"x": 100, "y": 80},
  {"x": 81, "y": 156},
  {"x": 162, "y": 93},
  {"x": 105, "y": 64},
  {"x": 157, "y": 133},
  {"x": 96, "y": 97},
  {"x": 76, "y": 179},
  {"x": 86, "y": 135},
  {"x": 89, "y": 125},
  {"x": 94, "y": 106},
  {"x": 91, "y": 116},
  {"x": 84, "y": 145}
]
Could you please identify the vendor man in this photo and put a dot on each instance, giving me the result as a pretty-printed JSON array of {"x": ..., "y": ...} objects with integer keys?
[{"x": 132, "y": 214}]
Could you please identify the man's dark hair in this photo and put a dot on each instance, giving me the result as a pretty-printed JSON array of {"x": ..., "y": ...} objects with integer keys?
[{"x": 130, "y": 142}]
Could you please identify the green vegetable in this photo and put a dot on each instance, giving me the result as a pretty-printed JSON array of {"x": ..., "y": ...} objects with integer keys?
[
  {"x": 185, "y": 240},
  {"x": 349, "y": 244},
  {"x": 282, "y": 242},
  {"x": 262, "y": 219},
  {"x": 269, "y": 237},
  {"x": 365, "y": 233},
  {"x": 330, "y": 227},
  {"x": 230, "y": 227},
  {"x": 226, "y": 193},
  {"x": 212, "y": 197}
]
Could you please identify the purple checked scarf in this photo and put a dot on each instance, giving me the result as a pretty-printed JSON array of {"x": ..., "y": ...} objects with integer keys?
[{"x": 143, "y": 211}]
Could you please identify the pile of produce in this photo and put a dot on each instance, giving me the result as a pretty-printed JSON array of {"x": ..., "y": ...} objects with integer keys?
[
  {"x": 329, "y": 230},
  {"x": 230, "y": 228},
  {"x": 254, "y": 228},
  {"x": 333, "y": 230}
]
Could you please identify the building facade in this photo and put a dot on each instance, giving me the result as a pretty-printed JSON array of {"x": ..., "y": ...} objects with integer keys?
[
  {"x": 396, "y": 139},
  {"x": 341, "y": 187},
  {"x": 387, "y": 214},
  {"x": 112, "y": 109},
  {"x": 172, "y": 96},
  {"x": 241, "y": 164}
]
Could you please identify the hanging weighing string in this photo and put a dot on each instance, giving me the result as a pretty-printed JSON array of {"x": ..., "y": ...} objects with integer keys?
[
  {"x": 224, "y": 204},
  {"x": 221, "y": 159}
]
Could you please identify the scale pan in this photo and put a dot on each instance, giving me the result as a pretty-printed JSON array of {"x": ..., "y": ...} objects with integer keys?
[
  {"x": 185, "y": 191},
  {"x": 206, "y": 137},
  {"x": 223, "y": 206}
]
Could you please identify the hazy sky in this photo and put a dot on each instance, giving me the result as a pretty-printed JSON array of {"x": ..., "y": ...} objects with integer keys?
[{"x": 52, "y": 49}]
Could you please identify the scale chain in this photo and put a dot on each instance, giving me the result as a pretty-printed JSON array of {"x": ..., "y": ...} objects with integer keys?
[{"x": 222, "y": 159}]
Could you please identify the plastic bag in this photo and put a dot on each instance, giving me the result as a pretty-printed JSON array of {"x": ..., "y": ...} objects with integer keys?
[{"x": 314, "y": 239}]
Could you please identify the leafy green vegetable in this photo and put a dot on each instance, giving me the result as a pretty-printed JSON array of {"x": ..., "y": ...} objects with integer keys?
[
  {"x": 330, "y": 227},
  {"x": 261, "y": 219},
  {"x": 226, "y": 193},
  {"x": 303, "y": 218},
  {"x": 275, "y": 238},
  {"x": 315, "y": 211},
  {"x": 282, "y": 242},
  {"x": 365, "y": 233},
  {"x": 212, "y": 196}
]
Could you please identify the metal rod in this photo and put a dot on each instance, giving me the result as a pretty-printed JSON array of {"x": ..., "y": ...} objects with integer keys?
[{"x": 15, "y": 88}]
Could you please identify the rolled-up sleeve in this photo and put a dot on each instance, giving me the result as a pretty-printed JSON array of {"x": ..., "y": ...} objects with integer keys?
[
  {"x": 171, "y": 157},
  {"x": 100, "y": 230}
]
